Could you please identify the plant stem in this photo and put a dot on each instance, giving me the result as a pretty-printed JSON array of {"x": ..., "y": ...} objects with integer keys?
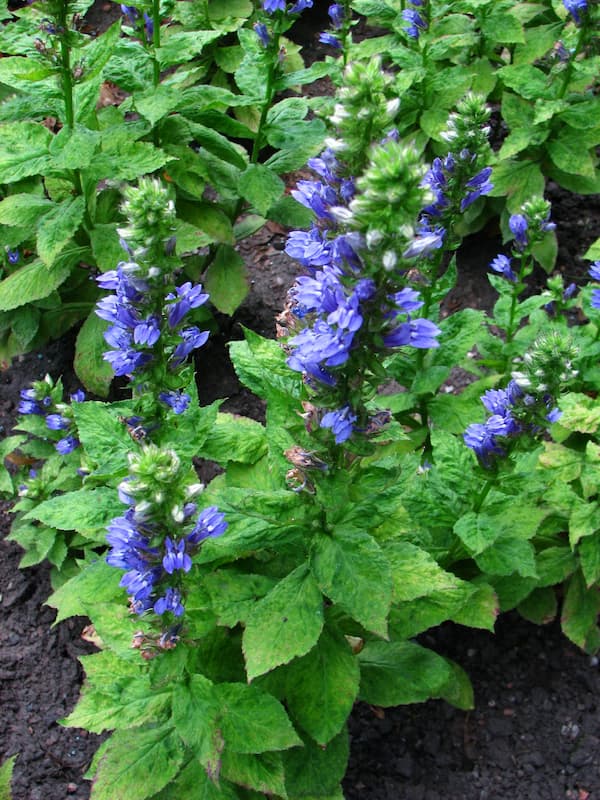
[
  {"x": 65, "y": 66},
  {"x": 518, "y": 287},
  {"x": 479, "y": 500},
  {"x": 569, "y": 70},
  {"x": 156, "y": 40}
]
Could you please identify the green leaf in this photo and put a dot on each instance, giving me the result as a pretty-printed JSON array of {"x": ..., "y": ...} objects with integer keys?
[
  {"x": 194, "y": 781},
  {"x": 540, "y": 606},
  {"x": 6, "y": 771},
  {"x": 261, "y": 187},
  {"x": 589, "y": 557},
  {"x": 415, "y": 573},
  {"x": 284, "y": 624},
  {"x": 234, "y": 594},
  {"x": 32, "y": 282},
  {"x": 90, "y": 367},
  {"x": 353, "y": 572},
  {"x": 24, "y": 209},
  {"x": 458, "y": 690},
  {"x": 226, "y": 280},
  {"x": 580, "y": 614},
  {"x": 180, "y": 46},
  {"x": 584, "y": 521},
  {"x": 209, "y": 218},
  {"x": 398, "y": 673},
  {"x": 261, "y": 363},
  {"x": 117, "y": 694},
  {"x": 195, "y": 714},
  {"x": 314, "y": 771},
  {"x": 262, "y": 772},
  {"x": 97, "y": 583},
  {"x": 571, "y": 153},
  {"x": 321, "y": 687},
  {"x": 87, "y": 510},
  {"x": 235, "y": 438},
  {"x": 106, "y": 246},
  {"x": 57, "y": 228},
  {"x": 74, "y": 148},
  {"x": 103, "y": 435},
  {"x": 506, "y": 556},
  {"x": 526, "y": 80},
  {"x": 137, "y": 763},
  {"x": 520, "y": 180},
  {"x": 580, "y": 413},
  {"x": 554, "y": 565},
  {"x": 253, "y": 721},
  {"x": 23, "y": 150},
  {"x": 502, "y": 26}
]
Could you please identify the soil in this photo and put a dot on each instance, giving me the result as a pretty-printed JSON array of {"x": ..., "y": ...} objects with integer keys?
[{"x": 535, "y": 730}]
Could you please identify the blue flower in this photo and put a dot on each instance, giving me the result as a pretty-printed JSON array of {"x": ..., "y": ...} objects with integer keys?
[
  {"x": 415, "y": 21},
  {"x": 29, "y": 403},
  {"x": 337, "y": 15},
  {"x": 483, "y": 442},
  {"x": 575, "y": 7},
  {"x": 13, "y": 256},
  {"x": 170, "y": 601},
  {"x": 341, "y": 423},
  {"x": 56, "y": 422},
  {"x": 186, "y": 297},
  {"x": 300, "y": 6},
  {"x": 502, "y": 264},
  {"x": 310, "y": 248},
  {"x": 317, "y": 196},
  {"x": 147, "y": 332},
  {"x": 126, "y": 361},
  {"x": 262, "y": 32},
  {"x": 425, "y": 243},
  {"x": 67, "y": 445},
  {"x": 176, "y": 558},
  {"x": 78, "y": 396},
  {"x": 419, "y": 333},
  {"x": 328, "y": 38},
  {"x": 191, "y": 339},
  {"x": 271, "y": 6},
  {"x": 177, "y": 400},
  {"x": 209, "y": 525},
  {"x": 518, "y": 226},
  {"x": 595, "y": 303},
  {"x": 594, "y": 271},
  {"x": 480, "y": 185}
]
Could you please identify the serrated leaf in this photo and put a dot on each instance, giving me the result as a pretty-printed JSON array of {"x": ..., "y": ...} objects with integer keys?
[
  {"x": 235, "y": 438},
  {"x": 354, "y": 573},
  {"x": 226, "y": 280},
  {"x": 57, "y": 228},
  {"x": 506, "y": 556},
  {"x": 285, "y": 624},
  {"x": 106, "y": 246},
  {"x": 589, "y": 557},
  {"x": 234, "y": 594},
  {"x": 137, "y": 764},
  {"x": 261, "y": 187},
  {"x": 195, "y": 714},
  {"x": 398, "y": 673},
  {"x": 580, "y": 614},
  {"x": 253, "y": 721},
  {"x": 179, "y": 46},
  {"x": 540, "y": 606},
  {"x": 32, "y": 282},
  {"x": 262, "y": 772},
  {"x": 103, "y": 435},
  {"x": 24, "y": 209},
  {"x": 98, "y": 582},
  {"x": 580, "y": 413},
  {"x": 321, "y": 687},
  {"x": 87, "y": 510},
  {"x": 6, "y": 771},
  {"x": 90, "y": 367},
  {"x": 23, "y": 150},
  {"x": 415, "y": 573},
  {"x": 315, "y": 771}
]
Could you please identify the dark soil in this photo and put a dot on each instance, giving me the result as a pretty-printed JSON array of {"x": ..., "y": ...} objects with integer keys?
[{"x": 535, "y": 731}]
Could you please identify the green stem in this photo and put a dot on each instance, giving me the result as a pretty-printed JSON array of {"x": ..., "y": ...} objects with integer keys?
[
  {"x": 65, "y": 66},
  {"x": 156, "y": 40},
  {"x": 479, "y": 500},
  {"x": 569, "y": 69},
  {"x": 518, "y": 287}
]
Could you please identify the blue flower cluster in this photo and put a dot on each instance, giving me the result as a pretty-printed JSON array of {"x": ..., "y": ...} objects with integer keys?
[
  {"x": 509, "y": 416},
  {"x": 576, "y": 8},
  {"x": 272, "y": 6},
  {"x": 414, "y": 19},
  {"x": 39, "y": 400},
  {"x": 131, "y": 14},
  {"x": 335, "y": 298},
  {"x": 153, "y": 576},
  {"x": 594, "y": 272},
  {"x": 337, "y": 15},
  {"x": 139, "y": 321}
]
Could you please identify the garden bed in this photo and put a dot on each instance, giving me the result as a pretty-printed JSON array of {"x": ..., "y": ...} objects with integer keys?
[{"x": 534, "y": 732}]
